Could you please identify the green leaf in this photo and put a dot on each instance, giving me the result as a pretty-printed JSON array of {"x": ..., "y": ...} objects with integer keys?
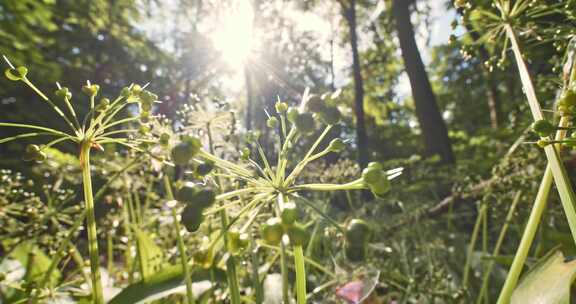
[
  {"x": 150, "y": 255},
  {"x": 40, "y": 263},
  {"x": 164, "y": 283},
  {"x": 547, "y": 282}
]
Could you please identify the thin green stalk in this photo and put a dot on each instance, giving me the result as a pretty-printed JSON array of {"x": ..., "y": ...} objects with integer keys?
[
  {"x": 128, "y": 250},
  {"x": 258, "y": 292},
  {"x": 300, "y": 274},
  {"x": 527, "y": 237},
  {"x": 183, "y": 259},
  {"x": 110, "y": 252},
  {"x": 47, "y": 100},
  {"x": 97, "y": 294},
  {"x": 567, "y": 196},
  {"x": 301, "y": 165},
  {"x": 486, "y": 279},
  {"x": 353, "y": 185},
  {"x": 230, "y": 263},
  {"x": 283, "y": 260},
  {"x": 181, "y": 247},
  {"x": 475, "y": 232}
]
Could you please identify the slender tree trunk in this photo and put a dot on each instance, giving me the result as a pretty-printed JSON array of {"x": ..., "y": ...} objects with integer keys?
[
  {"x": 361, "y": 141},
  {"x": 433, "y": 127},
  {"x": 492, "y": 95}
]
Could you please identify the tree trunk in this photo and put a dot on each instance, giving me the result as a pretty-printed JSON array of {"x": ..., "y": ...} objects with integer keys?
[
  {"x": 492, "y": 95},
  {"x": 433, "y": 127},
  {"x": 361, "y": 141}
]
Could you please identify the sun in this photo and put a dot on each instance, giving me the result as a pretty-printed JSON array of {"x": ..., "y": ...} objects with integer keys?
[{"x": 233, "y": 36}]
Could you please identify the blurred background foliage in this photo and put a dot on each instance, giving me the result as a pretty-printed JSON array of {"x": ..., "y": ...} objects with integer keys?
[{"x": 178, "y": 47}]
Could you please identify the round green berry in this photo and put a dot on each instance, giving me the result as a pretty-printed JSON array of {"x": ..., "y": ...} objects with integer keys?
[
  {"x": 192, "y": 217},
  {"x": 336, "y": 145},
  {"x": 281, "y": 107},
  {"x": 297, "y": 234},
  {"x": 272, "y": 122},
  {"x": 272, "y": 231},
  {"x": 358, "y": 232},
  {"x": 289, "y": 214},
  {"x": 543, "y": 128},
  {"x": 304, "y": 123}
]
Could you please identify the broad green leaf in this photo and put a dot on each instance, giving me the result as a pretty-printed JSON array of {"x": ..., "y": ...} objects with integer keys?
[
  {"x": 164, "y": 283},
  {"x": 150, "y": 255},
  {"x": 548, "y": 282}
]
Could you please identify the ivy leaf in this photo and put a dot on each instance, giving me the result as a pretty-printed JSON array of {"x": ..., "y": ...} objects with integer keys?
[{"x": 547, "y": 282}]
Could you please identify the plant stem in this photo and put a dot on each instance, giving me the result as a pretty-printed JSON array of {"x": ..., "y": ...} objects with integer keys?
[
  {"x": 181, "y": 247},
  {"x": 230, "y": 263},
  {"x": 527, "y": 237},
  {"x": 300, "y": 274},
  {"x": 183, "y": 259},
  {"x": 567, "y": 196},
  {"x": 97, "y": 294},
  {"x": 259, "y": 293},
  {"x": 475, "y": 232},
  {"x": 486, "y": 280},
  {"x": 283, "y": 262}
]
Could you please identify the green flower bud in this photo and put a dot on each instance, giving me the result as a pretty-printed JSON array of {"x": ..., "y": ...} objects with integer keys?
[
  {"x": 237, "y": 241},
  {"x": 144, "y": 117},
  {"x": 272, "y": 231},
  {"x": 192, "y": 217},
  {"x": 297, "y": 234},
  {"x": 272, "y": 122},
  {"x": 164, "y": 139},
  {"x": 183, "y": 152},
  {"x": 372, "y": 175},
  {"x": 380, "y": 187},
  {"x": 330, "y": 116},
  {"x": 90, "y": 89},
  {"x": 16, "y": 74},
  {"x": 245, "y": 153},
  {"x": 281, "y": 107},
  {"x": 103, "y": 105},
  {"x": 543, "y": 128},
  {"x": 304, "y": 123},
  {"x": 336, "y": 145},
  {"x": 289, "y": 214},
  {"x": 293, "y": 114},
  {"x": 63, "y": 93},
  {"x": 315, "y": 104},
  {"x": 126, "y": 92},
  {"x": 355, "y": 253},
  {"x": 205, "y": 197},
  {"x": 358, "y": 232},
  {"x": 460, "y": 3},
  {"x": 568, "y": 98},
  {"x": 252, "y": 136},
  {"x": 204, "y": 257}
]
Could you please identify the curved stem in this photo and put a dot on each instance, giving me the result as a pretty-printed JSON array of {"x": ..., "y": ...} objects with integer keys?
[{"x": 97, "y": 294}]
